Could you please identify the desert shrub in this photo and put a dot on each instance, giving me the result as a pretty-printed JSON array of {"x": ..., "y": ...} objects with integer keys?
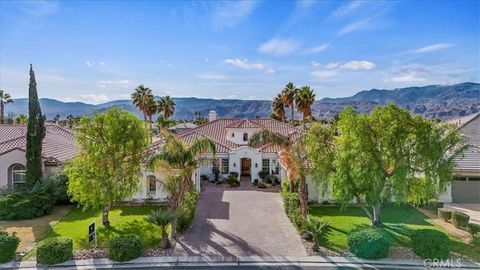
[
  {"x": 263, "y": 175},
  {"x": 445, "y": 213},
  {"x": 232, "y": 180},
  {"x": 187, "y": 211},
  {"x": 8, "y": 246},
  {"x": 261, "y": 184},
  {"x": 316, "y": 228},
  {"x": 54, "y": 250},
  {"x": 430, "y": 244},
  {"x": 369, "y": 244},
  {"x": 125, "y": 247},
  {"x": 459, "y": 219},
  {"x": 474, "y": 229}
]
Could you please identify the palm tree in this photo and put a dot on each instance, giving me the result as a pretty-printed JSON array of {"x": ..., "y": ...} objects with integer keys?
[
  {"x": 4, "y": 99},
  {"x": 166, "y": 105},
  {"x": 149, "y": 111},
  {"x": 304, "y": 99},
  {"x": 21, "y": 119},
  {"x": 288, "y": 97},
  {"x": 141, "y": 98},
  {"x": 293, "y": 156},
  {"x": 179, "y": 161},
  {"x": 163, "y": 218},
  {"x": 278, "y": 107},
  {"x": 70, "y": 121}
]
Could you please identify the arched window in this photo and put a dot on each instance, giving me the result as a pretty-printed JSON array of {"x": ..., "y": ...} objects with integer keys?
[
  {"x": 16, "y": 176},
  {"x": 245, "y": 137},
  {"x": 152, "y": 184}
]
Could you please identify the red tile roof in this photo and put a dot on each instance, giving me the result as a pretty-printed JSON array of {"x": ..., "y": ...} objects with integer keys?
[
  {"x": 215, "y": 131},
  {"x": 58, "y": 144}
]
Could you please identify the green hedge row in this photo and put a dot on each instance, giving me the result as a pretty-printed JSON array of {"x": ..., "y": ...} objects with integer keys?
[
  {"x": 187, "y": 211},
  {"x": 291, "y": 203},
  {"x": 8, "y": 246},
  {"x": 54, "y": 250}
]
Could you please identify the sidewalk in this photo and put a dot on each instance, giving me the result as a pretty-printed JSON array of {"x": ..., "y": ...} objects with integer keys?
[{"x": 302, "y": 262}]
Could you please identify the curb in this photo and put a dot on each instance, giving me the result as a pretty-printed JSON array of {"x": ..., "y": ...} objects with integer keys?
[{"x": 226, "y": 261}]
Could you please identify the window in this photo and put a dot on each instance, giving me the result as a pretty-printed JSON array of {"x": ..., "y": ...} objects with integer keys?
[
  {"x": 276, "y": 169},
  {"x": 152, "y": 184},
  {"x": 471, "y": 178},
  {"x": 18, "y": 174},
  {"x": 266, "y": 165},
  {"x": 224, "y": 168},
  {"x": 460, "y": 178},
  {"x": 245, "y": 137},
  {"x": 215, "y": 165},
  {"x": 233, "y": 134}
]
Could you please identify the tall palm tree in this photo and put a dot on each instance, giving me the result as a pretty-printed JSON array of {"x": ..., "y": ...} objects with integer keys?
[
  {"x": 304, "y": 99},
  {"x": 278, "y": 107},
  {"x": 163, "y": 218},
  {"x": 166, "y": 105},
  {"x": 179, "y": 161},
  {"x": 288, "y": 97},
  {"x": 293, "y": 156},
  {"x": 141, "y": 98},
  {"x": 70, "y": 121},
  {"x": 4, "y": 99}
]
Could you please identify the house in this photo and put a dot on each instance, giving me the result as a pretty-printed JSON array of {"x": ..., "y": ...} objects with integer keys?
[
  {"x": 233, "y": 154},
  {"x": 181, "y": 127},
  {"x": 58, "y": 146},
  {"x": 465, "y": 187}
]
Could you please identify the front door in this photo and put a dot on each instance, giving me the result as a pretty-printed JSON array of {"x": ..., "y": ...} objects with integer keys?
[{"x": 246, "y": 164}]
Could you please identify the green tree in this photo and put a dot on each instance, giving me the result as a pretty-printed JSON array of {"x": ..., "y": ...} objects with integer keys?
[
  {"x": 166, "y": 106},
  {"x": 387, "y": 155},
  {"x": 288, "y": 97},
  {"x": 304, "y": 99},
  {"x": 163, "y": 218},
  {"x": 141, "y": 99},
  {"x": 35, "y": 134},
  {"x": 107, "y": 170},
  {"x": 5, "y": 98},
  {"x": 278, "y": 107},
  {"x": 70, "y": 121}
]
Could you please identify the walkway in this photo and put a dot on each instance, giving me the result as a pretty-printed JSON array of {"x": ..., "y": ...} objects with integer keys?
[{"x": 240, "y": 221}]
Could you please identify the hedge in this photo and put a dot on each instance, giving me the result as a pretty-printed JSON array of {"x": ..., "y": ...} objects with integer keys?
[
  {"x": 460, "y": 220},
  {"x": 187, "y": 209},
  {"x": 430, "y": 244},
  {"x": 291, "y": 203},
  {"x": 474, "y": 229},
  {"x": 8, "y": 246},
  {"x": 369, "y": 244},
  {"x": 445, "y": 213},
  {"x": 125, "y": 247},
  {"x": 54, "y": 250}
]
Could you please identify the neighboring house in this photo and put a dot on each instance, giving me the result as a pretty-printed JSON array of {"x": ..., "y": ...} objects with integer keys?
[
  {"x": 58, "y": 146},
  {"x": 182, "y": 127},
  {"x": 231, "y": 137},
  {"x": 465, "y": 187}
]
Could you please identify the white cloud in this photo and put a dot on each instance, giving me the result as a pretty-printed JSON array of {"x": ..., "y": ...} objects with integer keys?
[
  {"x": 324, "y": 73},
  {"x": 39, "y": 7},
  {"x": 358, "y": 65},
  {"x": 332, "y": 65},
  {"x": 432, "y": 48},
  {"x": 279, "y": 47},
  {"x": 102, "y": 63},
  {"x": 317, "y": 49},
  {"x": 88, "y": 63},
  {"x": 230, "y": 13},
  {"x": 119, "y": 83},
  {"x": 97, "y": 98},
  {"x": 212, "y": 77},
  {"x": 245, "y": 64},
  {"x": 355, "y": 26},
  {"x": 347, "y": 9}
]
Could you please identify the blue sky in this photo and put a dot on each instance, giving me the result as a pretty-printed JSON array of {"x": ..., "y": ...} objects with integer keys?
[{"x": 95, "y": 51}]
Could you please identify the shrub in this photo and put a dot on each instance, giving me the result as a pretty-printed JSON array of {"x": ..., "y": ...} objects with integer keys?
[
  {"x": 430, "y": 244},
  {"x": 445, "y": 213},
  {"x": 8, "y": 246},
  {"x": 268, "y": 179},
  {"x": 187, "y": 211},
  {"x": 291, "y": 203},
  {"x": 216, "y": 174},
  {"x": 433, "y": 204},
  {"x": 474, "y": 229},
  {"x": 316, "y": 228},
  {"x": 234, "y": 174},
  {"x": 255, "y": 182},
  {"x": 58, "y": 185},
  {"x": 27, "y": 204},
  {"x": 276, "y": 180},
  {"x": 261, "y": 184},
  {"x": 232, "y": 180},
  {"x": 263, "y": 174},
  {"x": 204, "y": 177},
  {"x": 125, "y": 247},
  {"x": 369, "y": 244},
  {"x": 459, "y": 219},
  {"x": 54, "y": 250}
]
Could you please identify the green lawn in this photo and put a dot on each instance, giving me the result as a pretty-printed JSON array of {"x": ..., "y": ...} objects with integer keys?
[
  {"x": 399, "y": 221},
  {"x": 123, "y": 220}
]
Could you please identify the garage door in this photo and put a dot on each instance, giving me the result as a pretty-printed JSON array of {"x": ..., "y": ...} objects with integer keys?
[{"x": 466, "y": 191}]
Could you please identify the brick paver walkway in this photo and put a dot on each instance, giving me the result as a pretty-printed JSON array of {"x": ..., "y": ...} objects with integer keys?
[{"x": 240, "y": 222}]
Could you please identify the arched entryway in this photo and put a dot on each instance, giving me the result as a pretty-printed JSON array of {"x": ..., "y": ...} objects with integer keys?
[{"x": 246, "y": 167}]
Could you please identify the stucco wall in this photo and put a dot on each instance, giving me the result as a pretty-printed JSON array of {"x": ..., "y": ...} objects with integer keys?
[
  {"x": 238, "y": 138},
  {"x": 8, "y": 159}
]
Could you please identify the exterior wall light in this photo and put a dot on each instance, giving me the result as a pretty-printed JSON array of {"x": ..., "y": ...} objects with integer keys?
[
  {"x": 256, "y": 165},
  {"x": 234, "y": 164}
]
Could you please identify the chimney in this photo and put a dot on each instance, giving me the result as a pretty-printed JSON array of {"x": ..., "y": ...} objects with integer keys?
[{"x": 212, "y": 116}]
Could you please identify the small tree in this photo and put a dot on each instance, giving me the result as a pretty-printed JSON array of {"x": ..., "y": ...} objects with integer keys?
[
  {"x": 163, "y": 218},
  {"x": 386, "y": 155},
  {"x": 107, "y": 169}
]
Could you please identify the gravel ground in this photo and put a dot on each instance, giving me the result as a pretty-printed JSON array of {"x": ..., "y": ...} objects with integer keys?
[{"x": 96, "y": 253}]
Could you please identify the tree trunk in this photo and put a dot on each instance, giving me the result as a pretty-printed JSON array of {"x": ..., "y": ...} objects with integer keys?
[
  {"x": 293, "y": 111},
  {"x": 105, "y": 220},
  {"x": 292, "y": 185},
  {"x": 2, "y": 113},
  {"x": 165, "y": 242},
  {"x": 302, "y": 190},
  {"x": 150, "y": 125},
  {"x": 376, "y": 214}
]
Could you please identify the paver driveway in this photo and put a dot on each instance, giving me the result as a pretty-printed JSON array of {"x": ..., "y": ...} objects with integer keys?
[{"x": 240, "y": 222}]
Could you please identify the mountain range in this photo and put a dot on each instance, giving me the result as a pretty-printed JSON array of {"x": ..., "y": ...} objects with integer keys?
[{"x": 433, "y": 101}]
